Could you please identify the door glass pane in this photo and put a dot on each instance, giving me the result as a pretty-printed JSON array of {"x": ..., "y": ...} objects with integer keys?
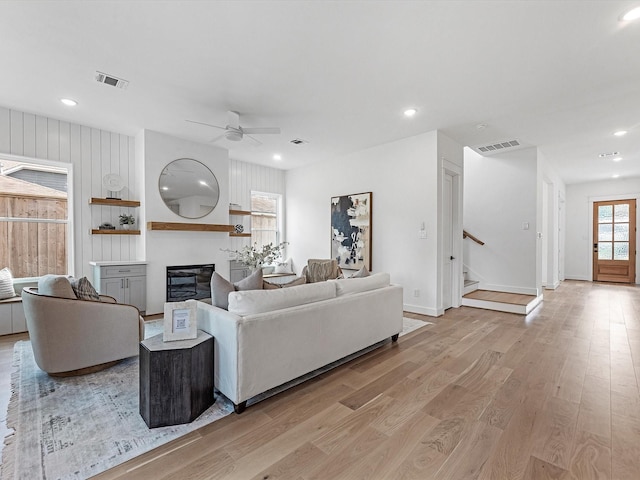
[
  {"x": 605, "y": 214},
  {"x": 621, "y": 251},
  {"x": 605, "y": 251},
  {"x": 621, "y": 213},
  {"x": 604, "y": 232},
  {"x": 621, "y": 232}
]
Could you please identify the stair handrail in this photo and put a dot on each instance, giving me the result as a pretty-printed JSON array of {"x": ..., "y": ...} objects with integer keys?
[{"x": 466, "y": 234}]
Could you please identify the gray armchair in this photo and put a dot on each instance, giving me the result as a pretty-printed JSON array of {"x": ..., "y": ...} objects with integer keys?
[{"x": 74, "y": 337}]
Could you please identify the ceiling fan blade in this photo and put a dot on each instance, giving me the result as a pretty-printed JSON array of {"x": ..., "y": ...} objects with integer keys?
[
  {"x": 261, "y": 130},
  {"x": 233, "y": 119},
  {"x": 207, "y": 124},
  {"x": 254, "y": 139},
  {"x": 217, "y": 138}
]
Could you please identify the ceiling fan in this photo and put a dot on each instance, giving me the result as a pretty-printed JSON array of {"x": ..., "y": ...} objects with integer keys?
[{"x": 234, "y": 132}]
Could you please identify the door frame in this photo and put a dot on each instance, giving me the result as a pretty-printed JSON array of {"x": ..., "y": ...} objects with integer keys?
[
  {"x": 609, "y": 198},
  {"x": 457, "y": 282}
]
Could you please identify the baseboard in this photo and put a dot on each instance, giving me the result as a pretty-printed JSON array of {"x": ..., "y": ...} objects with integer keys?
[
  {"x": 509, "y": 289},
  {"x": 552, "y": 287},
  {"x": 432, "y": 312},
  {"x": 578, "y": 277}
]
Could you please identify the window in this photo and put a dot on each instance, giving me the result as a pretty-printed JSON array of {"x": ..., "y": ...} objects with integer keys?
[
  {"x": 265, "y": 218},
  {"x": 34, "y": 217}
]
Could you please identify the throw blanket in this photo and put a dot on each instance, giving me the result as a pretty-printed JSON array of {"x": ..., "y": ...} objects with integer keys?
[{"x": 322, "y": 270}]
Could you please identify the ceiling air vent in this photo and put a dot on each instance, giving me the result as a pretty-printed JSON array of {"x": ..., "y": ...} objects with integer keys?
[
  {"x": 498, "y": 147},
  {"x": 111, "y": 80},
  {"x": 298, "y": 141}
]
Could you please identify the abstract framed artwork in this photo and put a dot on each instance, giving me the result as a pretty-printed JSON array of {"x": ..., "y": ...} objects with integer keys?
[{"x": 351, "y": 230}]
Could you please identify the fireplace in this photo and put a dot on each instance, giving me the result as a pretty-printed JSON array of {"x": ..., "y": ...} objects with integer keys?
[{"x": 186, "y": 282}]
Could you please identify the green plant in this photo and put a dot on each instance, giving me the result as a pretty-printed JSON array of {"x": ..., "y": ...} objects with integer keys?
[
  {"x": 126, "y": 219},
  {"x": 255, "y": 257}
]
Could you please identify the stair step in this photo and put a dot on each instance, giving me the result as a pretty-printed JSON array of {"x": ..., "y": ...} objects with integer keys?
[{"x": 501, "y": 301}]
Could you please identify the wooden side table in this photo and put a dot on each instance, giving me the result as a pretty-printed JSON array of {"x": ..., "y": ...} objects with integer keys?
[{"x": 176, "y": 379}]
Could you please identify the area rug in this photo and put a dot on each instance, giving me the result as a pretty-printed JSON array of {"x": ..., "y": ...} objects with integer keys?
[{"x": 77, "y": 427}]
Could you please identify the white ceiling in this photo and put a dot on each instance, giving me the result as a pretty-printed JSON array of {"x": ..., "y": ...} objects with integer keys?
[{"x": 562, "y": 75}]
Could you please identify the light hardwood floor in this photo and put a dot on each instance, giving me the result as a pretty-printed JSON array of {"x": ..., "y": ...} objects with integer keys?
[{"x": 479, "y": 394}]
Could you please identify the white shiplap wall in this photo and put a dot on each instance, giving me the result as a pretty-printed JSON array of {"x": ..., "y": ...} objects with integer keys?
[
  {"x": 245, "y": 178},
  {"x": 93, "y": 153}
]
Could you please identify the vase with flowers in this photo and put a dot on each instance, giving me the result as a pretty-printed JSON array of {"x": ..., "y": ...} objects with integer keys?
[{"x": 256, "y": 257}]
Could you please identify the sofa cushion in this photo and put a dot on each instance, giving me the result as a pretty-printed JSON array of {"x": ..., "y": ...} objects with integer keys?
[
  {"x": 83, "y": 289},
  {"x": 221, "y": 287},
  {"x": 348, "y": 286},
  {"x": 6, "y": 284},
  {"x": 272, "y": 286},
  {"x": 363, "y": 272},
  {"x": 56, "y": 286},
  {"x": 260, "y": 301},
  {"x": 320, "y": 270}
]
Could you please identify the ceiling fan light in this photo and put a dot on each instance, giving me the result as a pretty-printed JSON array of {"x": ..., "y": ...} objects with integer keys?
[{"x": 620, "y": 133}]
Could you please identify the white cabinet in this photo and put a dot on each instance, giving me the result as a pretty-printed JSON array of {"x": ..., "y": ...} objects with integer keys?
[
  {"x": 126, "y": 282},
  {"x": 12, "y": 317}
]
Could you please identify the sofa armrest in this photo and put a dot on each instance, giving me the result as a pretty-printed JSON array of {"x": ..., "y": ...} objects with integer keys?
[{"x": 224, "y": 328}]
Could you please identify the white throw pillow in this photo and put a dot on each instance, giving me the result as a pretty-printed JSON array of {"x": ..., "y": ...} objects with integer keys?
[
  {"x": 284, "y": 267},
  {"x": 251, "y": 302},
  {"x": 6, "y": 284},
  {"x": 349, "y": 286}
]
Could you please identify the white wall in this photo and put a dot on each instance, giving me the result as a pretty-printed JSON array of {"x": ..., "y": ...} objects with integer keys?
[
  {"x": 92, "y": 153},
  {"x": 245, "y": 178},
  {"x": 500, "y": 195},
  {"x": 403, "y": 177},
  {"x": 579, "y": 211},
  {"x": 163, "y": 248}
]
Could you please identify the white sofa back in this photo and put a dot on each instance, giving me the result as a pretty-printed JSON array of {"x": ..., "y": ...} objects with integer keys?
[{"x": 251, "y": 302}]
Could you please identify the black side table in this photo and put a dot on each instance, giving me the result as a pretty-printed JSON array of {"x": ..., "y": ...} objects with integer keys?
[{"x": 176, "y": 379}]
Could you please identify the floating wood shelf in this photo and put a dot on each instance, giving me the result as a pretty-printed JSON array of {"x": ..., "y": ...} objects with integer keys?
[
  {"x": 189, "y": 227},
  {"x": 239, "y": 212},
  {"x": 233, "y": 234},
  {"x": 96, "y": 231},
  {"x": 114, "y": 202}
]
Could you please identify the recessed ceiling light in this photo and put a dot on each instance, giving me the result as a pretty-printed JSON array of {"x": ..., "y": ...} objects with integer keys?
[
  {"x": 277, "y": 157},
  {"x": 615, "y": 175},
  {"x": 69, "y": 102},
  {"x": 410, "y": 112},
  {"x": 632, "y": 14},
  {"x": 620, "y": 133},
  {"x": 617, "y": 159}
]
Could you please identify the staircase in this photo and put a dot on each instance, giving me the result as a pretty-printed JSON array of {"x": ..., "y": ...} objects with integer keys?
[{"x": 492, "y": 300}]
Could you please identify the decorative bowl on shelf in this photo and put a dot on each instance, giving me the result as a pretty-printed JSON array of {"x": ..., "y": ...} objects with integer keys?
[{"x": 239, "y": 228}]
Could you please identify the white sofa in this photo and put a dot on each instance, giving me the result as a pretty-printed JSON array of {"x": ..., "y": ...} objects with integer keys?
[{"x": 269, "y": 337}]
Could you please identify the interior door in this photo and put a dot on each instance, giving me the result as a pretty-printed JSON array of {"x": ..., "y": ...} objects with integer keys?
[{"x": 614, "y": 237}]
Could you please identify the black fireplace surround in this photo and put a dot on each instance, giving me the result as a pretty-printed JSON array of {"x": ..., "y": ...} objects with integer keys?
[{"x": 187, "y": 282}]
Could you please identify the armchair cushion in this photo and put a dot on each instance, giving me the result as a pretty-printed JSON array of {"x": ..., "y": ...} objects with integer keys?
[
  {"x": 56, "y": 286},
  {"x": 84, "y": 290}
]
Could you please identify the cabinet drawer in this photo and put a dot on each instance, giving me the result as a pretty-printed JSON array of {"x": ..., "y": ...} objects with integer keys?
[{"x": 123, "y": 271}]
